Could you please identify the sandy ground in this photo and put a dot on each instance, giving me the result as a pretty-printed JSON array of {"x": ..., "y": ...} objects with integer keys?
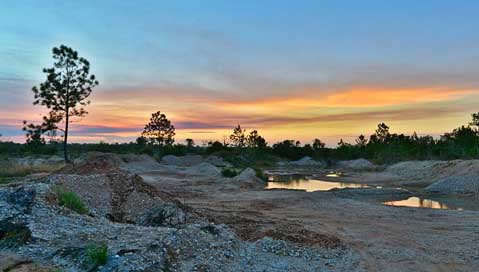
[{"x": 388, "y": 238}]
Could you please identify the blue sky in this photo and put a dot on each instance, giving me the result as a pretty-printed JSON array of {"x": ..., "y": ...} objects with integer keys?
[{"x": 185, "y": 56}]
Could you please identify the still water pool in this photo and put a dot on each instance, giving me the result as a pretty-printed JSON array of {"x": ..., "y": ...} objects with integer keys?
[
  {"x": 308, "y": 184},
  {"x": 311, "y": 185},
  {"x": 417, "y": 202}
]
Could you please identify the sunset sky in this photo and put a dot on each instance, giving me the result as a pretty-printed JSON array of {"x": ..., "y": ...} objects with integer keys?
[{"x": 290, "y": 69}]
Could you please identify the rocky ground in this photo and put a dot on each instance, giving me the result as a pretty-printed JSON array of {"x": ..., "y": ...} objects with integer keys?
[{"x": 182, "y": 215}]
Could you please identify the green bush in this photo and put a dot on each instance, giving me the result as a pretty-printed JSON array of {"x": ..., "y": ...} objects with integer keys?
[
  {"x": 229, "y": 173},
  {"x": 260, "y": 174},
  {"x": 70, "y": 200},
  {"x": 97, "y": 254},
  {"x": 3, "y": 180}
]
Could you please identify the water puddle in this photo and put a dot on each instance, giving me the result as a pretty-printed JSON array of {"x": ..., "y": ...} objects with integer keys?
[
  {"x": 417, "y": 202},
  {"x": 311, "y": 185},
  {"x": 314, "y": 182},
  {"x": 334, "y": 175}
]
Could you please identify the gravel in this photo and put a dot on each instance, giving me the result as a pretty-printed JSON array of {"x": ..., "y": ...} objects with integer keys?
[{"x": 467, "y": 184}]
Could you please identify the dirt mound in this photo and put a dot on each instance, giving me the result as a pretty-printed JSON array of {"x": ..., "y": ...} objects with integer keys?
[
  {"x": 359, "y": 164},
  {"x": 138, "y": 163},
  {"x": 203, "y": 169},
  {"x": 217, "y": 161},
  {"x": 101, "y": 163},
  {"x": 192, "y": 160},
  {"x": 306, "y": 161},
  {"x": 93, "y": 163},
  {"x": 417, "y": 170},
  {"x": 248, "y": 175},
  {"x": 467, "y": 184},
  {"x": 117, "y": 195},
  {"x": 433, "y": 171},
  {"x": 185, "y": 161}
]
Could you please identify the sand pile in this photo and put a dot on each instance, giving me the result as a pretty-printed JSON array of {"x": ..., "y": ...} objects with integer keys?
[
  {"x": 359, "y": 164},
  {"x": 458, "y": 176}
]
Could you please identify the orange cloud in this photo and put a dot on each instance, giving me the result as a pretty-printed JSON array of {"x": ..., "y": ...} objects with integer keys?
[{"x": 359, "y": 97}]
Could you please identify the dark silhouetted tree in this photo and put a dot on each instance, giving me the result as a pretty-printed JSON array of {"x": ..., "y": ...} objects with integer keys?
[
  {"x": 382, "y": 132},
  {"x": 361, "y": 141},
  {"x": 475, "y": 120},
  {"x": 34, "y": 134},
  {"x": 255, "y": 140},
  {"x": 190, "y": 143},
  {"x": 66, "y": 89},
  {"x": 141, "y": 141},
  {"x": 159, "y": 130},
  {"x": 318, "y": 145},
  {"x": 342, "y": 144},
  {"x": 238, "y": 137}
]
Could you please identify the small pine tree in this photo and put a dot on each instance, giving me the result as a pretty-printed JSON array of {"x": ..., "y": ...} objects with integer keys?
[
  {"x": 238, "y": 137},
  {"x": 159, "y": 130},
  {"x": 66, "y": 89}
]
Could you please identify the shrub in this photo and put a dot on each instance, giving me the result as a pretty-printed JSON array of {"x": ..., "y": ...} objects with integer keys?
[
  {"x": 70, "y": 200},
  {"x": 229, "y": 173},
  {"x": 260, "y": 174},
  {"x": 13, "y": 235},
  {"x": 97, "y": 254}
]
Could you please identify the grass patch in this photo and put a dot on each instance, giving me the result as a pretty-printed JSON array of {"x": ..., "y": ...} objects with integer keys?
[
  {"x": 70, "y": 200},
  {"x": 97, "y": 254},
  {"x": 229, "y": 173},
  {"x": 10, "y": 168},
  {"x": 4, "y": 180}
]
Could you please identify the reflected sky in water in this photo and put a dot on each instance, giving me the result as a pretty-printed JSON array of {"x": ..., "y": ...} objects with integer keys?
[
  {"x": 312, "y": 185},
  {"x": 417, "y": 202}
]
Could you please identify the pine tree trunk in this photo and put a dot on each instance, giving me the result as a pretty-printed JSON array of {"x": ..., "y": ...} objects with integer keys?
[
  {"x": 65, "y": 138},
  {"x": 67, "y": 119}
]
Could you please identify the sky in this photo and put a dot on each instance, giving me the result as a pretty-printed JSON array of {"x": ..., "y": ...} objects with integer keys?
[{"x": 290, "y": 69}]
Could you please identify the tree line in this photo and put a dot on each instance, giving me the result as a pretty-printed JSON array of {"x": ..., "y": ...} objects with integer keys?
[{"x": 69, "y": 83}]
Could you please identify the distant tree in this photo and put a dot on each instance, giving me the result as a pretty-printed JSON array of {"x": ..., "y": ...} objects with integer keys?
[
  {"x": 190, "y": 143},
  {"x": 255, "y": 140},
  {"x": 382, "y": 132},
  {"x": 215, "y": 146},
  {"x": 238, "y": 137},
  {"x": 289, "y": 149},
  {"x": 34, "y": 134},
  {"x": 361, "y": 141},
  {"x": 463, "y": 140},
  {"x": 475, "y": 120},
  {"x": 318, "y": 145},
  {"x": 141, "y": 141},
  {"x": 159, "y": 130},
  {"x": 66, "y": 89}
]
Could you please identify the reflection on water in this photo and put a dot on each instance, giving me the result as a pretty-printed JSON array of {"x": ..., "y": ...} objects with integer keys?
[
  {"x": 311, "y": 185},
  {"x": 334, "y": 175},
  {"x": 419, "y": 203}
]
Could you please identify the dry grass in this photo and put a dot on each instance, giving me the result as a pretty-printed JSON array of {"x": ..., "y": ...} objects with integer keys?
[{"x": 9, "y": 168}]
